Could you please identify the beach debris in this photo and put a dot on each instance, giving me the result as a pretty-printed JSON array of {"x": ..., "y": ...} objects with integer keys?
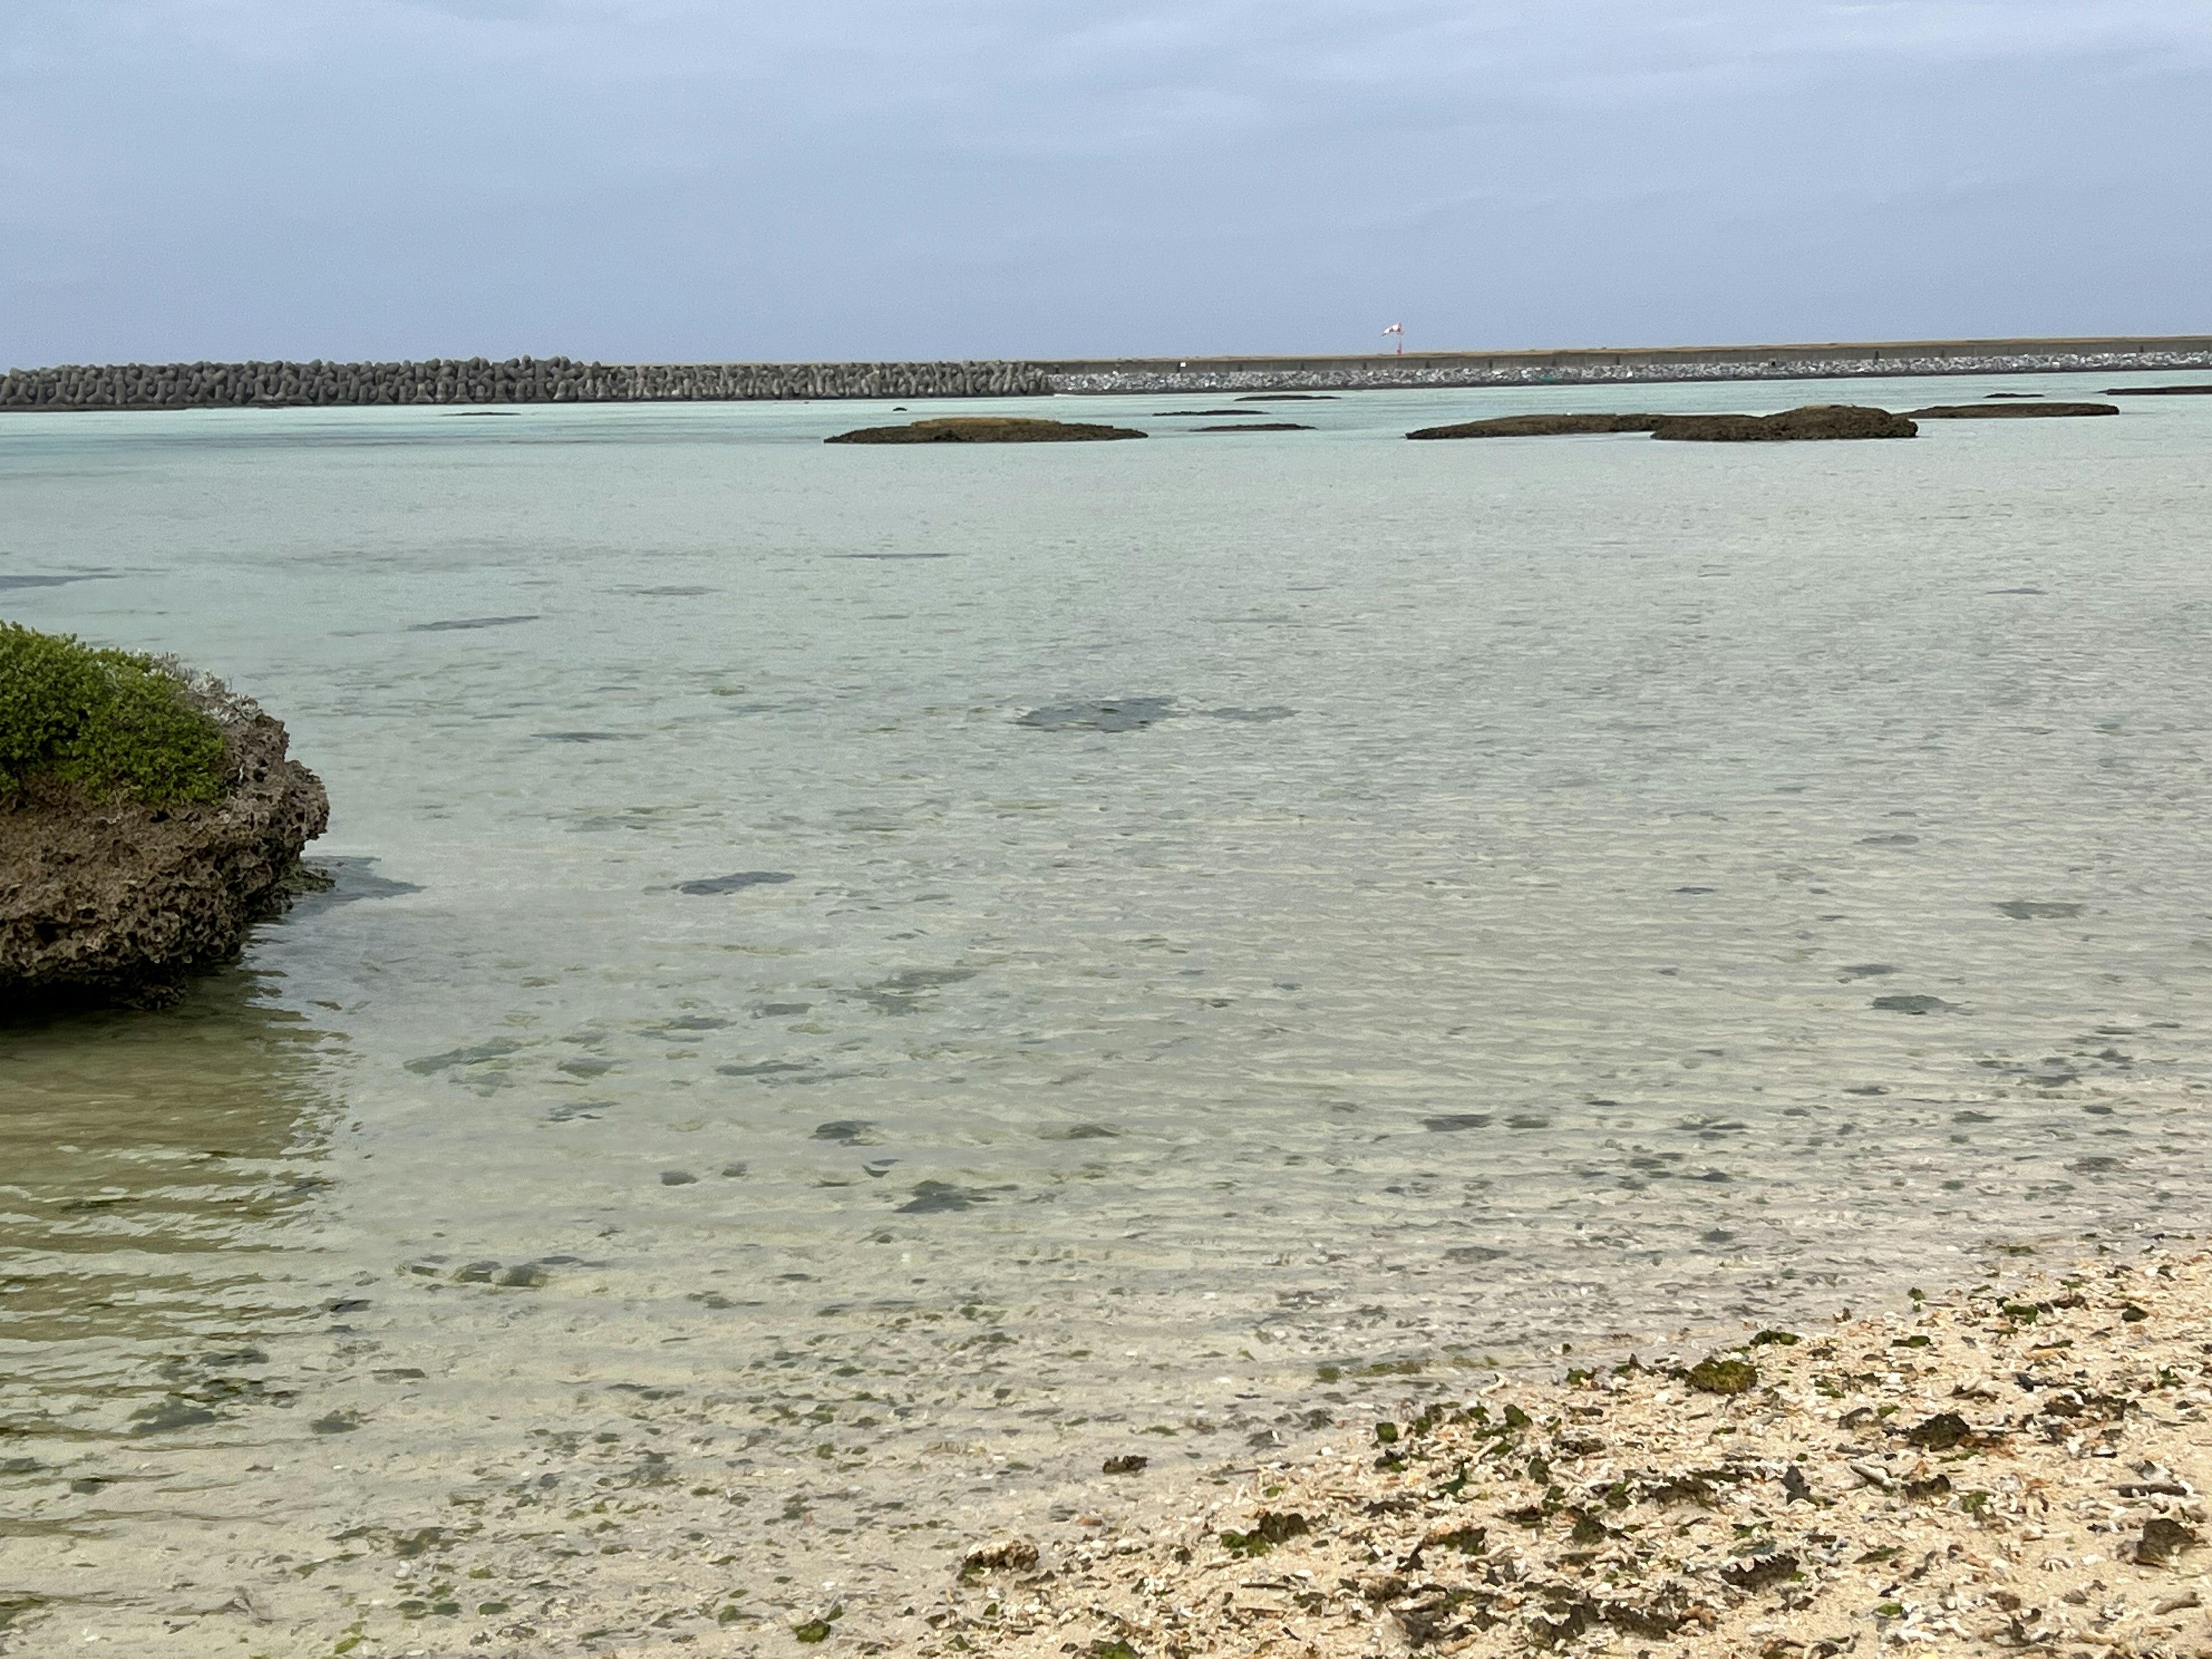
[
  {"x": 1126, "y": 1463},
  {"x": 1265, "y": 1532},
  {"x": 1001, "y": 1555},
  {"x": 2164, "y": 1541},
  {"x": 819, "y": 1629},
  {"x": 985, "y": 429},
  {"x": 1720, "y": 1374},
  {"x": 1996, "y": 1469}
]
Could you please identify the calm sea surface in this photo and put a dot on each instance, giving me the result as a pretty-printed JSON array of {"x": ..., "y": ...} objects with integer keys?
[{"x": 785, "y": 1082}]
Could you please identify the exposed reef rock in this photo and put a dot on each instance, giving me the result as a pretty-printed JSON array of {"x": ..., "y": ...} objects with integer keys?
[
  {"x": 2204, "y": 390},
  {"x": 1813, "y": 422},
  {"x": 2008, "y": 411},
  {"x": 985, "y": 429},
  {"x": 1541, "y": 426},
  {"x": 114, "y": 901},
  {"x": 1257, "y": 426}
]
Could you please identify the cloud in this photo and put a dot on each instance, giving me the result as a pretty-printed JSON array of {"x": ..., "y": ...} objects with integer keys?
[{"x": 663, "y": 178}]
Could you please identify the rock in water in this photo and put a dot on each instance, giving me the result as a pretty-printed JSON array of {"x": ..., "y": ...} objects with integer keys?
[
  {"x": 106, "y": 898},
  {"x": 1541, "y": 426},
  {"x": 985, "y": 429},
  {"x": 2008, "y": 411},
  {"x": 1814, "y": 421}
]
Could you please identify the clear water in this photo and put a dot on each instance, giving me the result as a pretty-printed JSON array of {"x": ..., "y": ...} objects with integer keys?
[{"x": 1481, "y": 951}]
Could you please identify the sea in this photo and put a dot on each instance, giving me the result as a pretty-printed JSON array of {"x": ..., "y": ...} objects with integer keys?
[{"x": 861, "y": 982}]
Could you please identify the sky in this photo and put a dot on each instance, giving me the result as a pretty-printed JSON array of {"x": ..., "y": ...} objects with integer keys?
[{"x": 654, "y": 180}]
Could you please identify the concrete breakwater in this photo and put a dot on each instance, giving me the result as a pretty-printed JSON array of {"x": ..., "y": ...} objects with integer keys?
[
  {"x": 478, "y": 380},
  {"x": 1605, "y": 366},
  {"x": 563, "y": 381}
]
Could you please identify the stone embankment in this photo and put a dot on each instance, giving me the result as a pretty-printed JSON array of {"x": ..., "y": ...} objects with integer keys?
[
  {"x": 563, "y": 381},
  {"x": 477, "y": 381}
]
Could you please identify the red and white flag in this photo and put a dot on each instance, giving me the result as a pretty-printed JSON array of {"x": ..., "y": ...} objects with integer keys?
[{"x": 1395, "y": 328}]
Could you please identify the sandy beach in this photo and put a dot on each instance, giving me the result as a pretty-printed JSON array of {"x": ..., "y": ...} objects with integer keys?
[{"x": 2015, "y": 1465}]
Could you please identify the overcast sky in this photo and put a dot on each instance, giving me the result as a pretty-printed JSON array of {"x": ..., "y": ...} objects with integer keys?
[{"x": 659, "y": 179}]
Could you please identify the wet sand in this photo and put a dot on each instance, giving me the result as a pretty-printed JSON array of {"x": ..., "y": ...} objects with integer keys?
[{"x": 2012, "y": 1467}]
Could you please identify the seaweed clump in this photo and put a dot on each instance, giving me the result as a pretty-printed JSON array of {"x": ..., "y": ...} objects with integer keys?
[{"x": 113, "y": 724}]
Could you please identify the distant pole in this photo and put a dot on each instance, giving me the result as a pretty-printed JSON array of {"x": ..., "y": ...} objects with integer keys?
[{"x": 1398, "y": 329}]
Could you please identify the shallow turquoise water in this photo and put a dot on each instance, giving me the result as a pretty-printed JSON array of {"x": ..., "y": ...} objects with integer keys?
[{"x": 1485, "y": 950}]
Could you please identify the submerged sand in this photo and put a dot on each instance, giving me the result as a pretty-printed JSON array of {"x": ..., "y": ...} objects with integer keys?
[{"x": 2013, "y": 1468}]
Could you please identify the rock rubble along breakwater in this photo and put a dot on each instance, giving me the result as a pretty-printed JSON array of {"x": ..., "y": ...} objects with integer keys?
[{"x": 478, "y": 380}]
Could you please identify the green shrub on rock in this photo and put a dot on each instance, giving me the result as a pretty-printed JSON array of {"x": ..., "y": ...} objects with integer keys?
[{"x": 111, "y": 723}]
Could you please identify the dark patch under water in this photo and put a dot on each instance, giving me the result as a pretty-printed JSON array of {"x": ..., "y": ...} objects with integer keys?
[
  {"x": 737, "y": 882},
  {"x": 582, "y": 736},
  {"x": 935, "y": 1197},
  {"x": 349, "y": 879},
  {"x": 1109, "y": 715},
  {"x": 1913, "y": 1004},
  {"x": 2038, "y": 910},
  {"x": 1453, "y": 1121},
  {"x": 430, "y": 1063},
  {"x": 460, "y": 624},
  {"x": 901, "y": 991},
  {"x": 8, "y": 584}
]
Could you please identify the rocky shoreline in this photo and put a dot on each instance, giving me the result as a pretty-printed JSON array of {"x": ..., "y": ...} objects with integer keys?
[
  {"x": 117, "y": 901},
  {"x": 2015, "y": 1465}
]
